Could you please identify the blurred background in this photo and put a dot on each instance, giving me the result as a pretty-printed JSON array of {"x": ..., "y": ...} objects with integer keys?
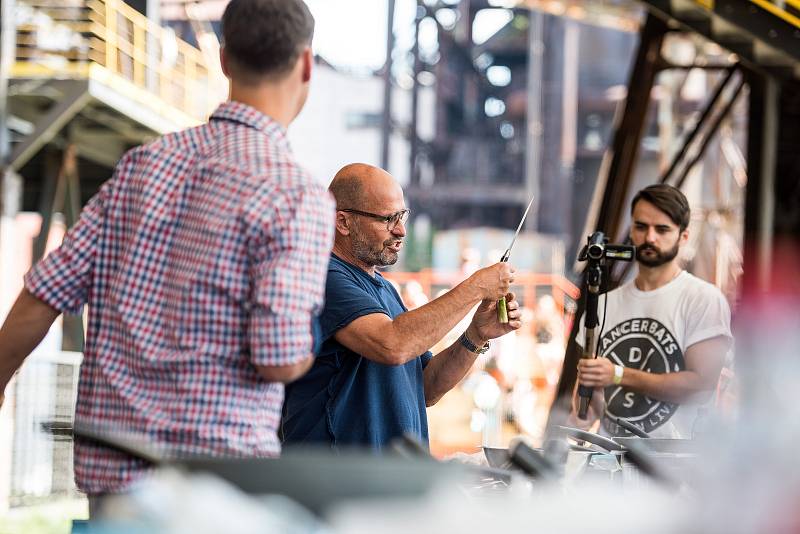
[{"x": 474, "y": 106}]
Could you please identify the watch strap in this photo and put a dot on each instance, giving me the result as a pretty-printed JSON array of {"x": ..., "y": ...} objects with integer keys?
[{"x": 470, "y": 346}]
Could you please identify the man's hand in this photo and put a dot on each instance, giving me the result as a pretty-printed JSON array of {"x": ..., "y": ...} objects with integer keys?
[
  {"x": 694, "y": 384},
  {"x": 596, "y": 372},
  {"x": 596, "y": 409},
  {"x": 485, "y": 326},
  {"x": 492, "y": 283},
  {"x": 449, "y": 366}
]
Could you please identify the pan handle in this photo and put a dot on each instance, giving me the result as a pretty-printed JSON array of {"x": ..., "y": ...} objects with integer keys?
[
  {"x": 531, "y": 462},
  {"x": 637, "y": 454},
  {"x": 595, "y": 439},
  {"x": 627, "y": 425}
]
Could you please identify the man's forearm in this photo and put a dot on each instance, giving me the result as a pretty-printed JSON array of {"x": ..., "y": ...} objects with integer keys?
[
  {"x": 418, "y": 330},
  {"x": 24, "y": 328},
  {"x": 286, "y": 373},
  {"x": 448, "y": 367},
  {"x": 677, "y": 387}
]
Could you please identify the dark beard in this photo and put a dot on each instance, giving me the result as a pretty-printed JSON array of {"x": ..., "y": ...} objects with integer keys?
[
  {"x": 369, "y": 256},
  {"x": 661, "y": 258}
]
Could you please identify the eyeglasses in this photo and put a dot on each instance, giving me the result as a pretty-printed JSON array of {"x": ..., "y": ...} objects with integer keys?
[{"x": 391, "y": 220}]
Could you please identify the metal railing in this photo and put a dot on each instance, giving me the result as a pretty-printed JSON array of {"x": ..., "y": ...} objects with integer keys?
[
  {"x": 788, "y": 10},
  {"x": 98, "y": 38},
  {"x": 44, "y": 399}
]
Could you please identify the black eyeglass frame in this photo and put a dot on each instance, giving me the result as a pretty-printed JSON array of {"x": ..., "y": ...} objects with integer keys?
[{"x": 397, "y": 217}]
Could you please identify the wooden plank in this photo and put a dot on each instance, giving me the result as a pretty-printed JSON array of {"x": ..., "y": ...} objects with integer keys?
[
  {"x": 39, "y": 53},
  {"x": 78, "y": 27}
]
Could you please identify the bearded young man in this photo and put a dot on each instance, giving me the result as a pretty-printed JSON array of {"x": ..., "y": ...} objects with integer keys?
[
  {"x": 374, "y": 375},
  {"x": 666, "y": 333}
]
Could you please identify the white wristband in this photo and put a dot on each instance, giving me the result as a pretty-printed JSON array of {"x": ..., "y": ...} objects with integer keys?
[{"x": 618, "y": 372}]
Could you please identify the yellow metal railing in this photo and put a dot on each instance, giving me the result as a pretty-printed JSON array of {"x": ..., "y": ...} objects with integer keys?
[
  {"x": 72, "y": 38},
  {"x": 788, "y": 10}
]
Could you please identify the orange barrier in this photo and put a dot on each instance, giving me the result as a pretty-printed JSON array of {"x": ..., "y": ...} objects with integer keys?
[{"x": 526, "y": 285}]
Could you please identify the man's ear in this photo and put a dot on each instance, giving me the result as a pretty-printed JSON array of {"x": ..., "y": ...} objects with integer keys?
[
  {"x": 307, "y": 57},
  {"x": 342, "y": 223},
  {"x": 684, "y": 237}
]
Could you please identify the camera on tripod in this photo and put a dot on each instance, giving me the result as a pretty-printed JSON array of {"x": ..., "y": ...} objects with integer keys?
[{"x": 598, "y": 249}]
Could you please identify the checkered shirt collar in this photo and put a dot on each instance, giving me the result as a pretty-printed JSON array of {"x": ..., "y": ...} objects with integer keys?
[{"x": 250, "y": 116}]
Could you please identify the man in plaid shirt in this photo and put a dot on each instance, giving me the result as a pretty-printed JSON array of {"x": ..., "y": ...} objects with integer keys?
[{"x": 203, "y": 262}]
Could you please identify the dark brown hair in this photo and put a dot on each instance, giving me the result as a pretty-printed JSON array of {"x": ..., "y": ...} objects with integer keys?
[
  {"x": 263, "y": 38},
  {"x": 668, "y": 199}
]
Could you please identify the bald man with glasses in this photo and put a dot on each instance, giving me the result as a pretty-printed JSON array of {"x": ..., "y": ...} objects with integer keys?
[{"x": 375, "y": 376}]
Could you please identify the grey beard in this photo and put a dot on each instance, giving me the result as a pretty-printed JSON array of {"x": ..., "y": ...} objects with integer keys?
[{"x": 369, "y": 256}]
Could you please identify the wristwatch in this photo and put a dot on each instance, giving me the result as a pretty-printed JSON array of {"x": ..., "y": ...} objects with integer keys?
[
  {"x": 618, "y": 372},
  {"x": 470, "y": 346}
]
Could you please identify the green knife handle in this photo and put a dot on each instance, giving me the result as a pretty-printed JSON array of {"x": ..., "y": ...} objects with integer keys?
[{"x": 502, "y": 312}]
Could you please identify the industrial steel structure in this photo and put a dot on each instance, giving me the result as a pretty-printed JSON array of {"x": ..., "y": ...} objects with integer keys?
[{"x": 530, "y": 110}]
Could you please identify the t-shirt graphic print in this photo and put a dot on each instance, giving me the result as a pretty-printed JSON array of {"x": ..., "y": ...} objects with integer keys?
[
  {"x": 646, "y": 345},
  {"x": 652, "y": 331}
]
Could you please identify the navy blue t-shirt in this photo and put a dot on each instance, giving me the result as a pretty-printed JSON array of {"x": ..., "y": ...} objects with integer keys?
[{"x": 346, "y": 399}]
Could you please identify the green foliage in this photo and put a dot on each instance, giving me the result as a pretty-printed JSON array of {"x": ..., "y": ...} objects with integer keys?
[
  {"x": 418, "y": 253},
  {"x": 49, "y": 518}
]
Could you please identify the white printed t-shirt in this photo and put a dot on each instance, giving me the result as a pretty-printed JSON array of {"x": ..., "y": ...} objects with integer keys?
[{"x": 650, "y": 331}]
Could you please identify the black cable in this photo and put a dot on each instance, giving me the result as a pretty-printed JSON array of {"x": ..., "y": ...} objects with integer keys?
[{"x": 603, "y": 324}]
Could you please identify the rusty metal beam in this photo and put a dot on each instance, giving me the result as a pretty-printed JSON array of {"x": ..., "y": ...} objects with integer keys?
[
  {"x": 607, "y": 209},
  {"x": 608, "y": 203},
  {"x": 75, "y": 97},
  {"x": 712, "y": 103},
  {"x": 759, "y": 216}
]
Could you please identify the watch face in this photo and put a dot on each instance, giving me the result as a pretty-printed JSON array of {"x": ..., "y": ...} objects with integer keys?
[{"x": 646, "y": 345}]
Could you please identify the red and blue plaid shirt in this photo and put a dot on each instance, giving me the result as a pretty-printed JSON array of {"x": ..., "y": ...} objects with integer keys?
[{"x": 203, "y": 256}]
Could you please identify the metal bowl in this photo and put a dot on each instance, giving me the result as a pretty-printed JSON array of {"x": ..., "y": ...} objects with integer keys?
[{"x": 498, "y": 458}]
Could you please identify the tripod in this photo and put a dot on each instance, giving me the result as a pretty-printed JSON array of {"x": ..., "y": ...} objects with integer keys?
[{"x": 597, "y": 252}]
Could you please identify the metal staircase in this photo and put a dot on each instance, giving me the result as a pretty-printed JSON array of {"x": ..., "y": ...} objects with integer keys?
[
  {"x": 102, "y": 74},
  {"x": 88, "y": 80}
]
